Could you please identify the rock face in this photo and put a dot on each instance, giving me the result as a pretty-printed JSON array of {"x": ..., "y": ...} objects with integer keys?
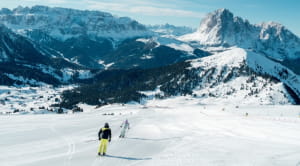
[
  {"x": 222, "y": 28},
  {"x": 14, "y": 47}
]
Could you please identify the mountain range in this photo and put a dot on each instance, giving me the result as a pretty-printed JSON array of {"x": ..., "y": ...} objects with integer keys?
[
  {"x": 221, "y": 28},
  {"x": 117, "y": 59}
]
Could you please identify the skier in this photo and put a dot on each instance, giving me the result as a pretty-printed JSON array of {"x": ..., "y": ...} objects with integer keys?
[
  {"x": 104, "y": 136},
  {"x": 124, "y": 126}
]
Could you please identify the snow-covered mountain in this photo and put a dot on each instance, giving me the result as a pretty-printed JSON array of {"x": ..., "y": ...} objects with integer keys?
[
  {"x": 22, "y": 61},
  {"x": 171, "y": 30},
  {"x": 232, "y": 76},
  {"x": 51, "y": 39},
  {"x": 15, "y": 48},
  {"x": 90, "y": 38},
  {"x": 227, "y": 59},
  {"x": 222, "y": 28},
  {"x": 63, "y": 23},
  {"x": 200, "y": 93},
  {"x": 242, "y": 76}
]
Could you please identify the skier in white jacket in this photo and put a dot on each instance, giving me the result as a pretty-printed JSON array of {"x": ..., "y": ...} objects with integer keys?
[{"x": 124, "y": 126}]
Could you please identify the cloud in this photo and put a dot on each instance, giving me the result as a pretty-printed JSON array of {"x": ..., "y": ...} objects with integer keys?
[
  {"x": 155, "y": 11},
  {"x": 140, "y": 8},
  {"x": 46, "y": 2}
]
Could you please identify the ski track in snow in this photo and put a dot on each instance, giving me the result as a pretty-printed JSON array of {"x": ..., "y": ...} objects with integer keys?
[
  {"x": 161, "y": 135},
  {"x": 69, "y": 142}
]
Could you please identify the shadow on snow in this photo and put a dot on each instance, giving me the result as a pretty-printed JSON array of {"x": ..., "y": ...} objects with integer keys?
[{"x": 128, "y": 158}]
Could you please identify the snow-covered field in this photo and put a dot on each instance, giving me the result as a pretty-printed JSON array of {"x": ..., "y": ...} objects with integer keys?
[
  {"x": 29, "y": 100},
  {"x": 171, "y": 132}
]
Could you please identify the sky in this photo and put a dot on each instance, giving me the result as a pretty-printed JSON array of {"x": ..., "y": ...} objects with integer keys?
[{"x": 182, "y": 12}]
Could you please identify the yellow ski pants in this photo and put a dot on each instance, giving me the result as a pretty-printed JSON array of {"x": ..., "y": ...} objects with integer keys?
[{"x": 103, "y": 146}]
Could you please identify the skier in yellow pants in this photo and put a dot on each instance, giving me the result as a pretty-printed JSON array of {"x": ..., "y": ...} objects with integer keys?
[{"x": 104, "y": 135}]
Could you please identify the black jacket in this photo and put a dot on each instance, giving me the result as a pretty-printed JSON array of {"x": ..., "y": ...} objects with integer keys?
[{"x": 104, "y": 133}]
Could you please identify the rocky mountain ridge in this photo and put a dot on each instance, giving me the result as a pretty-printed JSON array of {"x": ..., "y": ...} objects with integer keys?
[{"x": 222, "y": 28}]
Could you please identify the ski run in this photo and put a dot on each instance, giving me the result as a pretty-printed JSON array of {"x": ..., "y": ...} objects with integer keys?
[{"x": 173, "y": 132}]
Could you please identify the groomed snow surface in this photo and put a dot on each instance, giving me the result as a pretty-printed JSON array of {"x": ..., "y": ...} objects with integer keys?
[{"x": 171, "y": 132}]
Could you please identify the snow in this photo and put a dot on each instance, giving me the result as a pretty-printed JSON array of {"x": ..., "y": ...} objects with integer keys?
[
  {"x": 143, "y": 40},
  {"x": 68, "y": 73},
  {"x": 170, "y": 42},
  {"x": 24, "y": 80},
  {"x": 182, "y": 47},
  {"x": 215, "y": 69},
  {"x": 167, "y": 41},
  {"x": 231, "y": 57},
  {"x": 106, "y": 66},
  {"x": 170, "y": 30},
  {"x": 221, "y": 27},
  {"x": 10, "y": 50},
  {"x": 63, "y": 23},
  {"x": 232, "y": 92},
  {"x": 150, "y": 95},
  {"x": 146, "y": 56},
  {"x": 262, "y": 64},
  {"x": 163, "y": 132},
  {"x": 85, "y": 74},
  {"x": 3, "y": 56},
  {"x": 221, "y": 125},
  {"x": 29, "y": 100}
]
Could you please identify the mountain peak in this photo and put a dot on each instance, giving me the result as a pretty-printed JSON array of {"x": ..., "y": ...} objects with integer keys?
[
  {"x": 217, "y": 18},
  {"x": 222, "y": 12},
  {"x": 218, "y": 27},
  {"x": 272, "y": 25},
  {"x": 221, "y": 27}
]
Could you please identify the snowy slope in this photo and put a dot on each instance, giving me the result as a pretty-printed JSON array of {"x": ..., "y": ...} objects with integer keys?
[
  {"x": 240, "y": 76},
  {"x": 160, "y": 135},
  {"x": 262, "y": 64},
  {"x": 29, "y": 100},
  {"x": 233, "y": 75}
]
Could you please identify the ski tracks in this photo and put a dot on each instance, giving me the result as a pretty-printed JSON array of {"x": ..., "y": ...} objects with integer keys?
[{"x": 71, "y": 146}]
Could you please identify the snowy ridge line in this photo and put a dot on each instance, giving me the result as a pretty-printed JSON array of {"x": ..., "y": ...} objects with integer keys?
[
  {"x": 263, "y": 65},
  {"x": 235, "y": 56},
  {"x": 171, "y": 30},
  {"x": 221, "y": 27},
  {"x": 232, "y": 57},
  {"x": 224, "y": 77},
  {"x": 71, "y": 23}
]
